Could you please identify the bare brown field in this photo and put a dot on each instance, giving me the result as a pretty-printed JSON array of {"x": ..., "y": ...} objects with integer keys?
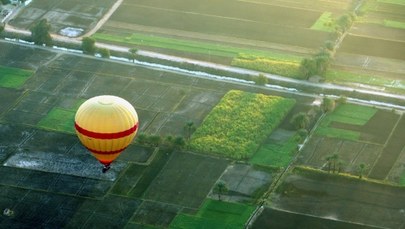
[
  {"x": 373, "y": 47},
  {"x": 340, "y": 198}
]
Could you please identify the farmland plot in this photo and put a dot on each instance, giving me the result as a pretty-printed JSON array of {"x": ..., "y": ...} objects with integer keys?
[
  {"x": 340, "y": 198},
  {"x": 253, "y": 24},
  {"x": 358, "y": 135},
  {"x": 77, "y": 16}
]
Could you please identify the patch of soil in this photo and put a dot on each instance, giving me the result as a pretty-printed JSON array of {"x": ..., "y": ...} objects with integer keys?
[
  {"x": 390, "y": 153},
  {"x": 346, "y": 199}
]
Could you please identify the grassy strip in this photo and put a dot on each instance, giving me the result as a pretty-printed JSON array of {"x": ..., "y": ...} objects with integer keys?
[
  {"x": 338, "y": 76},
  {"x": 194, "y": 67},
  {"x": 13, "y": 77},
  {"x": 276, "y": 154},
  {"x": 348, "y": 114},
  {"x": 275, "y": 66},
  {"x": 351, "y": 114},
  {"x": 394, "y": 24},
  {"x": 324, "y": 23},
  {"x": 398, "y": 2},
  {"x": 334, "y": 76},
  {"x": 402, "y": 180},
  {"x": 239, "y": 123},
  {"x": 184, "y": 45},
  {"x": 215, "y": 214}
]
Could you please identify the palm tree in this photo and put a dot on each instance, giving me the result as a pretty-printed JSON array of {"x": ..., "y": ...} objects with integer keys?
[
  {"x": 189, "y": 129},
  {"x": 220, "y": 188},
  {"x": 332, "y": 161},
  {"x": 132, "y": 54},
  {"x": 362, "y": 167}
]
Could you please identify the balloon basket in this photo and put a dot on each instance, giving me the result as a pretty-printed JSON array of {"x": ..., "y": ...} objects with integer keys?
[{"x": 105, "y": 168}]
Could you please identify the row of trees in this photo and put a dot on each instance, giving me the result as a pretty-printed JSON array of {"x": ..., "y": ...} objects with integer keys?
[
  {"x": 40, "y": 35},
  {"x": 319, "y": 63},
  {"x": 335, "y": 165}
]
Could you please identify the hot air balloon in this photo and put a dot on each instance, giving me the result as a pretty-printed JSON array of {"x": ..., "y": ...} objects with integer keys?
[{"x": 106, "y": 125}]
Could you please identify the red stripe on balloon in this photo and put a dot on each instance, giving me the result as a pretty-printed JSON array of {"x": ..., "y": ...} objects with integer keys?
[
  {"x": 106, "y": 152},
  {"x": 116, "y": 135}
]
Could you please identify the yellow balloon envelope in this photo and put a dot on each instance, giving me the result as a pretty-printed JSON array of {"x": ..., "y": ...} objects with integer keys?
[{"x": 106, "y": 125}]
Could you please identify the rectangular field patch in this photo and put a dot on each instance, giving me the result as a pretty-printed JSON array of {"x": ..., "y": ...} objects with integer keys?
[
  {"x": 215, "y": 214},
  {"x": 239, "y": 123},
  {"x": 13, "y": 77},
  {"x": 346, "y": 115}
]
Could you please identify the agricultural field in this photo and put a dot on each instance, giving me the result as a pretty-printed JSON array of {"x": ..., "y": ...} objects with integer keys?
[
  {"x": 68, "y": 18},
  {"x": 358, "y": 135},
  {"x": 43, "y": 161},
  {"x": 278, "y": 30},
  {"x": 372, "y": 51},
  {"x": 311, "y": 198},
  {"x": 239, "y": 123}
]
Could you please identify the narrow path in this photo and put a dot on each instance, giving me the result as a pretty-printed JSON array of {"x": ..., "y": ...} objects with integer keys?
[{"x": 103, "y": 19}]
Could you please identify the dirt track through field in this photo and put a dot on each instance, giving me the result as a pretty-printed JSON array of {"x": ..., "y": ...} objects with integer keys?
[{"x": 390, "y": 153}]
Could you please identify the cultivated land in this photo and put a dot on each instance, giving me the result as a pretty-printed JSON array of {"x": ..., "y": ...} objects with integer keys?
[
  {"x": 43, "y": 160},
  {"x": 46, "y": 169},
  {"x": 63, "y": 14}
]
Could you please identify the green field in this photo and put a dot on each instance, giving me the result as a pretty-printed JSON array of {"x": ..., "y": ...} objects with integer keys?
[
  {"x": 192, "y": 46},
  {"x": 398, "y": 2},
  {"x": 324, "y": 23},
  {"x": 60, "y": 119},
  {"x": 276, "y": 153},
  {"x": 239, "y": 123},
  {"x": 13, "y": 77},
  {"x": 215, "y": 214},
  {"x": 347, "y": 114}
]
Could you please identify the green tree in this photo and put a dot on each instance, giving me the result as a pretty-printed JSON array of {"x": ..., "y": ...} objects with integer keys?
[
  {"x": 40, "y": 33},
  {"x": 300, "y": 120},
  {"x": 189, "y": 128},
  {"x": 220, "y": 188},
  {"x": 179, "y": 142},
  {"x": 132, "y": 54},
  {"x": 141, "y": 139},
  {"x": 330, "y": 45},
  {"x": 105, "y": 53},
  {"x": 328, "y": 104},
  {"x": 154, "y": 140},
  {"x": 1, "y": 28},
  {"x": 307, "y": 68},
  {"x": 89, "y": 45},
  {"x": 261, "y": 79},
  {"x": 344, "y": 22},
  {"x": 332, "y": 162},
  {"x": 362, "y": 168}
]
